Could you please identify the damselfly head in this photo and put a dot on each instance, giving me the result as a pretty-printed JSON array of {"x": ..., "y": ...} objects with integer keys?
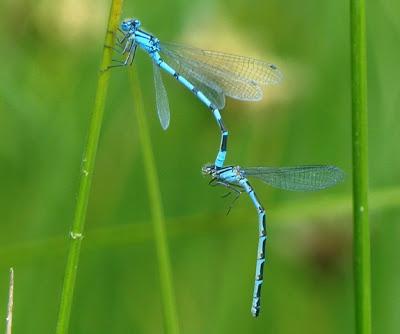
[
  {"x": 128, "y": 25},
  {"x": 208, "y": 169}
]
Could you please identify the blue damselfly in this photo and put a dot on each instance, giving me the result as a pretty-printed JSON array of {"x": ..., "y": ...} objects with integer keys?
[
  {"x": 210, "y": 75},
  {"x": 300, "y": 178}
]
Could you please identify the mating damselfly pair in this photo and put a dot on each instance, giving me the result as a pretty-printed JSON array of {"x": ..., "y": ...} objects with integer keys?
[{"x": 212, "y": 76}]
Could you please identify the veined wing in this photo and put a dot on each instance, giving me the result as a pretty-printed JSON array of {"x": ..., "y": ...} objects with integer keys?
[
  {"x": 230, "y": 85},
  {"x": 208, "y": 87},
  {"x": 161, "y": 98},
  {"x": 211, "y": 90},
  {"x": 239, "y": 77},
  {"x": 301, "y": 178}
]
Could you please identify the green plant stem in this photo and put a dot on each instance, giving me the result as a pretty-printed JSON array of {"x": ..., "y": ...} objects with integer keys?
[
  {"x": 362, "y": 265},
  {"x": 10, "y": 305},
  {"x": 165, "y": 272},
  {"x": 88, "y": 162}
]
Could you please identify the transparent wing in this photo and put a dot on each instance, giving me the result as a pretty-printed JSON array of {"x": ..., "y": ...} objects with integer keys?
[
  {"x": 161, "y": 98},
  {"x": 212, "y": 91},
  {"x": 209, "y": 88},
  {"x": 239, "y": 77},
  {"x": 230, "y": 85},
  {"x": 301, "y": 178}
]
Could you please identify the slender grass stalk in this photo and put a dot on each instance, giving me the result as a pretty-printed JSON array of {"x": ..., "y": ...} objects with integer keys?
[
  {"x": 88, "y": 162},
  {"x": 10, "y": 303},
  {"x": 362, "y": 265},
  {"x": 167, "y": 290}
]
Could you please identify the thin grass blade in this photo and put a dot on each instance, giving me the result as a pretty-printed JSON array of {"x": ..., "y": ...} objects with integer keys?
[
  {"x": 157, "y": 212},
  {"x": 87, "y": 169},
  {"x": 10, "y": 305},
  {"x": 361, "y": 228}
]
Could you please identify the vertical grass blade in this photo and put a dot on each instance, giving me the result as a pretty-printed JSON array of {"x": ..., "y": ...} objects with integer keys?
[
  {"x": 165, "y": 272},
  {"x": 10, "y": 303},
  {"x": 362, "y": 266},
  {"x": 86, "y": 177}
]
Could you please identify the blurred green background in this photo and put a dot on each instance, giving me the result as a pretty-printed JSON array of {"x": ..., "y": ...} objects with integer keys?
[{"x": 50, "y": 54}]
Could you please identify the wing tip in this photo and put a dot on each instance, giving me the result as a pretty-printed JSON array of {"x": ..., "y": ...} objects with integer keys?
[
  {"x": 340, "y": 175},
  {"x": 165, "y": 126},
  {"x": 276, "y": 75}
]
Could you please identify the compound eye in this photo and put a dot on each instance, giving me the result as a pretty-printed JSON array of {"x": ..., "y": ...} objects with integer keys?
[{"x": 125, "y": 25}]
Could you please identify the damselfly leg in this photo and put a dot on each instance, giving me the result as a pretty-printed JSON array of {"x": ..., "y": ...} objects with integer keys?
[{"x": 237, "y": 190}]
